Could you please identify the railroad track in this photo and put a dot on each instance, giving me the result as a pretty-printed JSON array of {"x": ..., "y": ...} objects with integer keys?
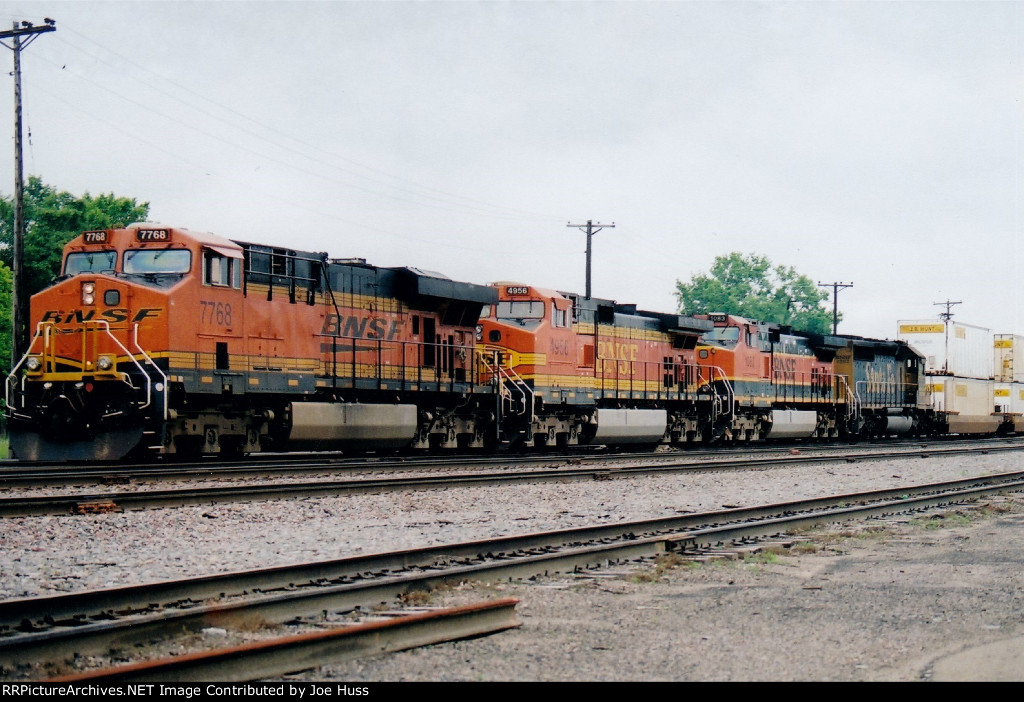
[
  {"x": 14, "y": 474},
  {"x": 57, "y": 627},
  {"x": 86, "y": 503}
]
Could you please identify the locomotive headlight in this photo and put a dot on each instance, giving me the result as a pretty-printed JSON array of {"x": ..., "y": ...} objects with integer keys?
[
  {"x": 479, "y": 333},
  {"x": 88, "y": 293},
  {"x": 105, "y": 363},
  {"x": 33, "y": 363}
]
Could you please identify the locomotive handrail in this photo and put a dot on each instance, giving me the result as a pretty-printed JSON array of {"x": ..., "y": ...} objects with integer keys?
[
  {"x": 392, "y": 361},
  {"x": 515, "y": 380},
  {"x": 290, "y": 276},
  {"x": 42, "y": 329},
  {"x": 135, "y": 340},
  {"x": 729, "y": 392},
  {"x": 887, "y": 393},
  {"x": 853, "y": 405},
  {"x": 149, "y": 384}
]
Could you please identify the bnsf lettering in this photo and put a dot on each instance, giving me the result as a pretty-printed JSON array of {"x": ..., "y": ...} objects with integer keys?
[
  {"x": 785, "y": 368},
  {"x": 617, "y": 358},
  {"x": 361, "y": 327},
  {"x": 114, "y": 315}
]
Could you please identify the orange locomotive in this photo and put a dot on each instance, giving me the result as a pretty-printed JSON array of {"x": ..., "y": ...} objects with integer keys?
[
  {"x": 780, "y": 384},
  {"x": 575, "y": 370},
  {"x": 159, "y": 339}
]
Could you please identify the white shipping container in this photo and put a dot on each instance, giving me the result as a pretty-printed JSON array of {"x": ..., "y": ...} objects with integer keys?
[
  {"x": 1008, "y": 359},
  {"x": 1009, "y": 399},
  {"x": 967, "y": 403},
  {"x": 949, "y": 347}
]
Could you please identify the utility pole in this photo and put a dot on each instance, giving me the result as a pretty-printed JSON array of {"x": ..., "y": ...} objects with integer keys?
[
  {"x": 948, "y": 304},
  {"x": 945, "y": 317},
  {"x": 835, "y": 300},
  {"x": 591, "y": 231},
  {"x": 19, "y": 294}
]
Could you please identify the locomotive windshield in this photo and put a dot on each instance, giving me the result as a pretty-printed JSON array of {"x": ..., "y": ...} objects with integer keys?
[
  {"x": 521, "y": 309},
  {"x": 140, "y": 261},
  {"x": 90, "y": 262},
  {"x": 722, "y": 336}
]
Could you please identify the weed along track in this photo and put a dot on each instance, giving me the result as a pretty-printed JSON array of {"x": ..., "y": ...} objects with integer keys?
[{"x": 41, "y": 630}]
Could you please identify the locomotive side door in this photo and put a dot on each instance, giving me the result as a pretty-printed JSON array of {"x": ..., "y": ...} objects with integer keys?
[
  {"x": 561, "y": 346},
  {"x": 221, "y": 315}
]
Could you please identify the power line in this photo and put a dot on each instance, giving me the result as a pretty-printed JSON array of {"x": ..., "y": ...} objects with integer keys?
[{"x": 948, "y": 304}]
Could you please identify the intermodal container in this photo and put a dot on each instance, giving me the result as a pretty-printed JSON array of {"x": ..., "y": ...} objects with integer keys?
[
  {"x": 1009, "y": 400},
  {"x": 950, "y": 348},
  {"x": 967, "y": 404},
  {"x": 1008, "y": 359}
]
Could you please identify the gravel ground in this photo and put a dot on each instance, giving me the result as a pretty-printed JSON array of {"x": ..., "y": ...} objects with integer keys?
[
  {"x": 899, "y": 600},
  {"x": 864, "y": 608}
]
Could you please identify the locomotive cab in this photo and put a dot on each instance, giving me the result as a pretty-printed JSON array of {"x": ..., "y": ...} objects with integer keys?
[
  {"x": 94, "y": 379},
  {"x": 528, "y": 329}
]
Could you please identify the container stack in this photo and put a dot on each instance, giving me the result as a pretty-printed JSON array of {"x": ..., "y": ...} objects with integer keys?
[
  {"x": 959, "y": 365},
  {"x": 1008, "y": 366}
]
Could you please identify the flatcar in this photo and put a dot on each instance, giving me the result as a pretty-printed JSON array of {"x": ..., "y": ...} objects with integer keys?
[{"x": 157, "y": 339}]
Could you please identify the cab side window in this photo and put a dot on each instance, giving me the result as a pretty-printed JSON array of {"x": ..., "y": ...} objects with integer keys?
[
  {"x": 220, "y": 270},
  {"x": 559, "y": 318}
]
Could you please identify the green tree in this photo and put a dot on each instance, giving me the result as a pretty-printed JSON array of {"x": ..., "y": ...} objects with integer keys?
[
  {"x": 751, "y": 286},
  {"x": 6, "y": 321},
  {"x": 52, "y": 219}
]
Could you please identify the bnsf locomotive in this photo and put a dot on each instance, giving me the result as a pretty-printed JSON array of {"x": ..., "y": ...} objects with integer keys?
[
  {"x": 166, "y": 340},
  {"x": 584, "y": 370},
  {"x": 162, "y": 340}
]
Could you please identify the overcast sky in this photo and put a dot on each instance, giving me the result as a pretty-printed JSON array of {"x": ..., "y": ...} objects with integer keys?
[{"x": 872, "y": 142}]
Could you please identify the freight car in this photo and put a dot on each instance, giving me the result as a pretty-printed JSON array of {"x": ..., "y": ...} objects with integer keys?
[
  {"x": 959, "y": 374},
  {"x": 159, "y": 339}
]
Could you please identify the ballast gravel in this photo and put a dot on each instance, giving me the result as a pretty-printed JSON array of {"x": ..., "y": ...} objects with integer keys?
[{"x": 883, "y": 604}]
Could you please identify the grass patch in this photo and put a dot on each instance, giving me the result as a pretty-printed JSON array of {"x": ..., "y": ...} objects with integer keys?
[
  {"x": 946, "y": 520},
  {"x": 416, "y": 598},
  {"x": 965, "y": 516},
  {"x": 765, "y": 557},
  {"x": 662, "y": 564},
  {"x": 870, "y": 532},
  {"x": 804, "y": 547}
]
